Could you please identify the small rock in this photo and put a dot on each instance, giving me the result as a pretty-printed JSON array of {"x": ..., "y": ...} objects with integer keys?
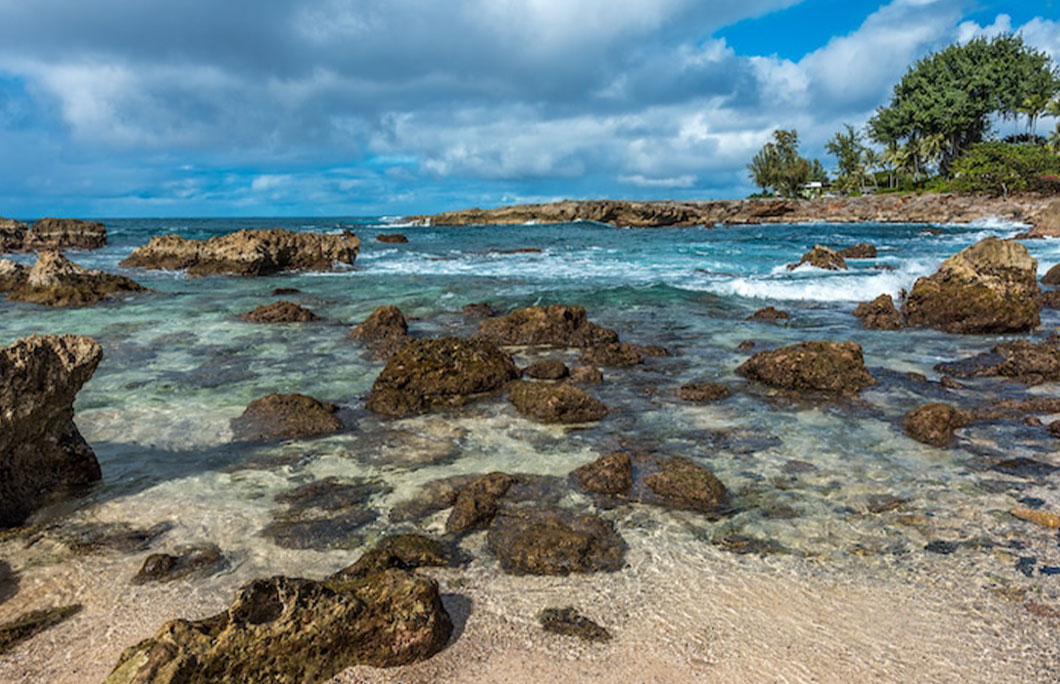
[
  {"x": 589, "y": 375},
  {"x": 550, "y": 403},
  {"x": 547, "y": 370},
  {"x": 554, "y": 541},
  {"x": 613, "y": 355},
  {"x": 478, "y": 502},
  {"x": 554, "y": 326},
  {"x": 611, "y": 475},
  {"x": 680, "y": 483},
  {"x": 569, "y": 622},
  {"x": 942, "y": 547},
  {"x": 746, "y": 345},
  {"x": 833, "y": 367},
  {"x": 703, "y": 392},
  {"x": 951, "y": 384},
  {"x": 282, "y": 311},
  {"x": 821, "y": 257},
  {"x": 398, "y": 551},
  {"x": 164, "y": 567},
  {"x": 934, "y": 424},
  {"x": 862, "y": 250},
  {"x": 879, "y": 314},
  {"x": 391, "y": 237},
  {"x": 282, "y": 291},
  {"x": 478, "y": 310},
  {"x": 1052, "y": 276},
  {"x": 1050, "y": 521},
  {"x": 286, "y": 416},
  {"x": 385, "y": 330},
  {"x": 768, "y": 314}
]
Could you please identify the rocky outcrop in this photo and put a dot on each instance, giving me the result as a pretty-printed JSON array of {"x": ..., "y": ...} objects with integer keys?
[
  {"x": 282, "y": 311},
  {"x": 547, "y": 326},
  {"x": 247, "y": 253},
  {"x": 1020, "y": 360},
  {"x": 831, "y": 367},
  {"x": 703, "y": 392},
  {"x": 285, "y": 629},
  {"x": 879, "y": 314},
  {"x": 478, "y": 502},
  {"x": 385, "y": 331},
  {"x": 51, "y": 233},
  {"x": 862, "y": 250},
  {"x": 554, "y": 541},
  {"x": 935, "y": 424},
  {"x": 821, "y": 257},
  {"x": 441, "y": 373},
  {"x": 926, "y": 208},
  {"x": 680, "y": 483},
  {"x": 768, "y": 314},
  {"x": 547, "y": 370},
  {"x": 56, "y": 281},
  {"x": 285, "y": 416},
  {"x": 12, "y": 235},
  {"x": 395, "y": 238},
  {"x": 1047, "y": 221},
  {"x": 42, "y": 454},
  {"x": 611, "y": 475},
  {"x": 551, "y": 403},
  {"x": 990, "y": 287},
  {"x": 1052, "y": 276}
]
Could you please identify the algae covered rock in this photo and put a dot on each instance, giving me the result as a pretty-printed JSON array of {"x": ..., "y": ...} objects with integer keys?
[
  {"x": 832, "y": 367},
  {"x": 293, "y": 631},
  {"x": 247, "y": 252},
  {"x": 285, "y": 416},
  {"x": 42, "y": 454},
  {"x": 385, "y": 331},
  {"x": 440, "y": 373},
  {"x": 56, "y": 281},
  {"x": 33, "y": 623},
  {"x": 283, "y": 311},
  {"x": 862, "y": 250},
  {"x": 547, "y": 370},
  {"x": 478, "y": 502},
  {"x": 769, "y": 314},
  {"x": 550, "y": 403},
  {"x": 821, "y": 257},
  {"x": 400, "y": 552},
  {"x": 554, "y": 541},
  {"x": 990, "y": 287},
  {"x": 203, "y": 559},
  {"x": 569, "y": 622},
  {"x": 703, "y": 392},
  {"x": 611, "y": 475},
  {"x": 613, "y": 355},
  {"x": 879, "y": 314},
  {"x": 552, "y": 326},
  {"x": 935, "y": 423},
  {"x": 680, "y": 483}
]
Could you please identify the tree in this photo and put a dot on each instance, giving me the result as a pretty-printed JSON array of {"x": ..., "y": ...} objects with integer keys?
[
  {"x": 954, "y": 92},
  {"x": 850, "y": 156},
  {"x": 779, "y": 168},
  {"x": 1000, "y": 168},
  {"x": 1034, "y": 106}
]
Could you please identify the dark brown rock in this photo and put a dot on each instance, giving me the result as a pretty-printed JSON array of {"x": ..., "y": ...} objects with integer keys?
[
  {"x": 31, "y": 624},
  {"x": 89, "y": 538},
  {"x": 769, "y": 314},
  {"x": 391, "y": 237},
  {"x": 478, "y": 310},
  {"x": 12, "y": 235},
  {"x": 247, "y": 253},
  {"x": 821, "y": 257},
  {"x": 586, "y": 374},
  {"x": 554, "y": 541},
  {"x": 879, "y": 314},
  {"x": 478, "y": 502},
  {"x": 551, "y": 326},
  {"x": 56, "y": 281},
  {"x": 12, "y": 275},
  {"x": 285, "y": 416},
  {"x": 862, "y": 250},
  {"x": 703, "y": 392},
  {"x": 613, "y": 355},
  {"x": 989, "y": 288},
  {"x": 282, "y": 311},
  {"x": 284, "y": 629},
  {"x": 1020, "y": 360},
  {"x": 437, "y": 374},
  {"x": 951, "y": 384},
  {"x": 184, "y": 562},
  {"x": 833, "y": 367},
  {"x": 398, "y": 552},
  {"x": 680, "y": 483},
  {"x": 569, "y": 622},
  {"x": 385, "y": 331},
  {"x": 57, "y": 233},
  {"x": 934, "y": 424},
  {"x": 551, "y": 403},
  {"x": 1052, "y": 276},
  {"x": 42, "y": 454},
  {"x": 1049, "y": 299},
  {"x": 284, "y": 291},
  {"x": 611, "y": 475},
  {"x": 547, "y": 370},
  {"x": 746, "y": 345}
]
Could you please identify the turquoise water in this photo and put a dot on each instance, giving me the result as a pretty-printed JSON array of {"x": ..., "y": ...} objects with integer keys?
[{"x": 179, "y": 365}]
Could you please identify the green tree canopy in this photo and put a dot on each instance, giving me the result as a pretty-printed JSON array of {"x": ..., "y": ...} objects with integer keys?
[
  {"x": 779, "y": 168},
  {"x": 950, "y": 95},
  {"x": 853, "y": 158}
]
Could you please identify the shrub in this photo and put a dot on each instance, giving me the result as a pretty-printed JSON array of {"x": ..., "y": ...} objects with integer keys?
[{"x": 999, "y": 168}]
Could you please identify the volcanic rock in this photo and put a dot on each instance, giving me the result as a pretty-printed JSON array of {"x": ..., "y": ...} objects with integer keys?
[
  {"x": 285, "y": 416},
  {"x": 547, "y": 370},
  {"x": 611, "y": 475},
  {"x": 833, "y": 367},
  {"x": 554, "y": 541},
  {"x": 879, "y": 314},
  {"x": 41, "y": 452},
  {"x": 862, "y": 250},
  {"x": 550, "y": 403},
  {"x": 56, "y": 281},
  {"x": 821, "y": 257},
  {"x": 553, "y": 326},
  {"x": 282, "y": 311},
  {"x": 935, "y": 424}
]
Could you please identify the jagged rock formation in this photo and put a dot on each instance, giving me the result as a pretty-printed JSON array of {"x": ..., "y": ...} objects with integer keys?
[
  {"x": 51, "y": 233},
  {"x": 56, "y": 281}
]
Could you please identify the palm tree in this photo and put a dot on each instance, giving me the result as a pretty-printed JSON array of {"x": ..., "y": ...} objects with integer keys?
[
  {"x": 894, "y": 156},
  {"x": 1034, "y": 106},
  {"x": 930, "y": 148}
]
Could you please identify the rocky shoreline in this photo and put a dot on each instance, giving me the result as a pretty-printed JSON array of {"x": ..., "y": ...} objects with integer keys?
[{"x": 927, "y": 208}]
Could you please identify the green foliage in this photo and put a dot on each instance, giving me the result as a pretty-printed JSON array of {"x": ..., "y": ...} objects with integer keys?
[
  {"x": 947, "y": 98},
  {"x": 999, "y": 168},
  {"x": 854, "y": 160},
  {"x": 779, "y": 168}
]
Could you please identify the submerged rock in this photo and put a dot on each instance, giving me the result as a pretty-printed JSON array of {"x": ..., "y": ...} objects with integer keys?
[
  {"x": 588, "y": 375},
  {"x": 703, "y": 392},
  {"x": 478, "y": 310},
  {"x": 398, "y": 552},
  {"x": 1020, "y": 360},
  {"x": 935, "y": 424},
  {"x": 56, "y": 281},
  {"x": 385, "y": 331},
  {"x": 769, "y": 314},
  {"x": 285, "y": 416},
  {"x": 680, "y": 483},
  {"x": 284, "y": 629},
  {"x": 862, "y": 250},
  {"x": 554, "y": 541},
  {"x": 547, "y": 370},
  {"x": 611, "y": 475},
  {"x": 31, "y": 624},
  {"x": 550, "y": 403},
  {"x": 391, "y": 237},
  {"x": 552, "y": 326},
  {"x": 569, "y": 622},
  {"x": 821, "y": 257},
  {"x": 990, "y": 287},
  {"x": 282, "y": 311},
  {"x": 436, "y": 374},
  {"x": 478, "y": 502},
  {"x": 325, "y": 514},
  {"x": 111, "y": 537},
  {"x": 879, "y": 314},
  {"x": 186, "y": 561},
  {"x": 247, "y": 252},
  {"x": 613, "y": 355},
  {"x": 833, "y": 367},
  {"x": 42, "y": 454}
]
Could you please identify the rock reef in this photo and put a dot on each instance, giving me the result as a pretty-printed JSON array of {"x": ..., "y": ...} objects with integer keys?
[
  {"x": 56, "y": 281},
  {"x": 51, "y": 233},
  {"x": 830, "y": 367}
]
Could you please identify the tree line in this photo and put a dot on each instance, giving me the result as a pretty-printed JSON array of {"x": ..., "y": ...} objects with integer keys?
[{"x": 936, "y": 131}]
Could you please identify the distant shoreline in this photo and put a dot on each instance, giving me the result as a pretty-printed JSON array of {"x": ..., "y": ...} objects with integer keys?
[{"x": 907, "y": 208}]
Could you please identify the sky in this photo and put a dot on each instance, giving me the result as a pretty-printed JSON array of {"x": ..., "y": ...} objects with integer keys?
[{"x": 118, "y": 108}]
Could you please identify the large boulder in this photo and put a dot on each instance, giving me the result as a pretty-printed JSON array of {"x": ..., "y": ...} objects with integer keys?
[
  {"x": 283, "y": 311},
  {"x": 65, "y": 233},
  {"x": 552, "y": 403},
  {"x": 439, "y": 373},
  {"x": 990, "y": 287},
  {"x": 292, "y": 630},
  {"x": 833, "y": 367},
  {"x": 41, "y": 452},
  {"x": 56, "y": 281},
  {"x": 247, "y": 252},
  {"x": 285, "y": 416},
  {"x": 821, "y": 257},
  {"x": 554, "y": 541},
  {"x": 551, "y": 326},
  {"x": 385, "y": 331},
  {"x": 879, "y": 314}
]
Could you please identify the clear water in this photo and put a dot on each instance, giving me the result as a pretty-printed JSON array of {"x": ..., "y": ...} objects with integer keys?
[{"x": 179, "y": 365}]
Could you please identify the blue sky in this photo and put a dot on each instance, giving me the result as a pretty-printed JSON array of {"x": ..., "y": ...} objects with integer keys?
[{"x": 344, "y": 107}]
